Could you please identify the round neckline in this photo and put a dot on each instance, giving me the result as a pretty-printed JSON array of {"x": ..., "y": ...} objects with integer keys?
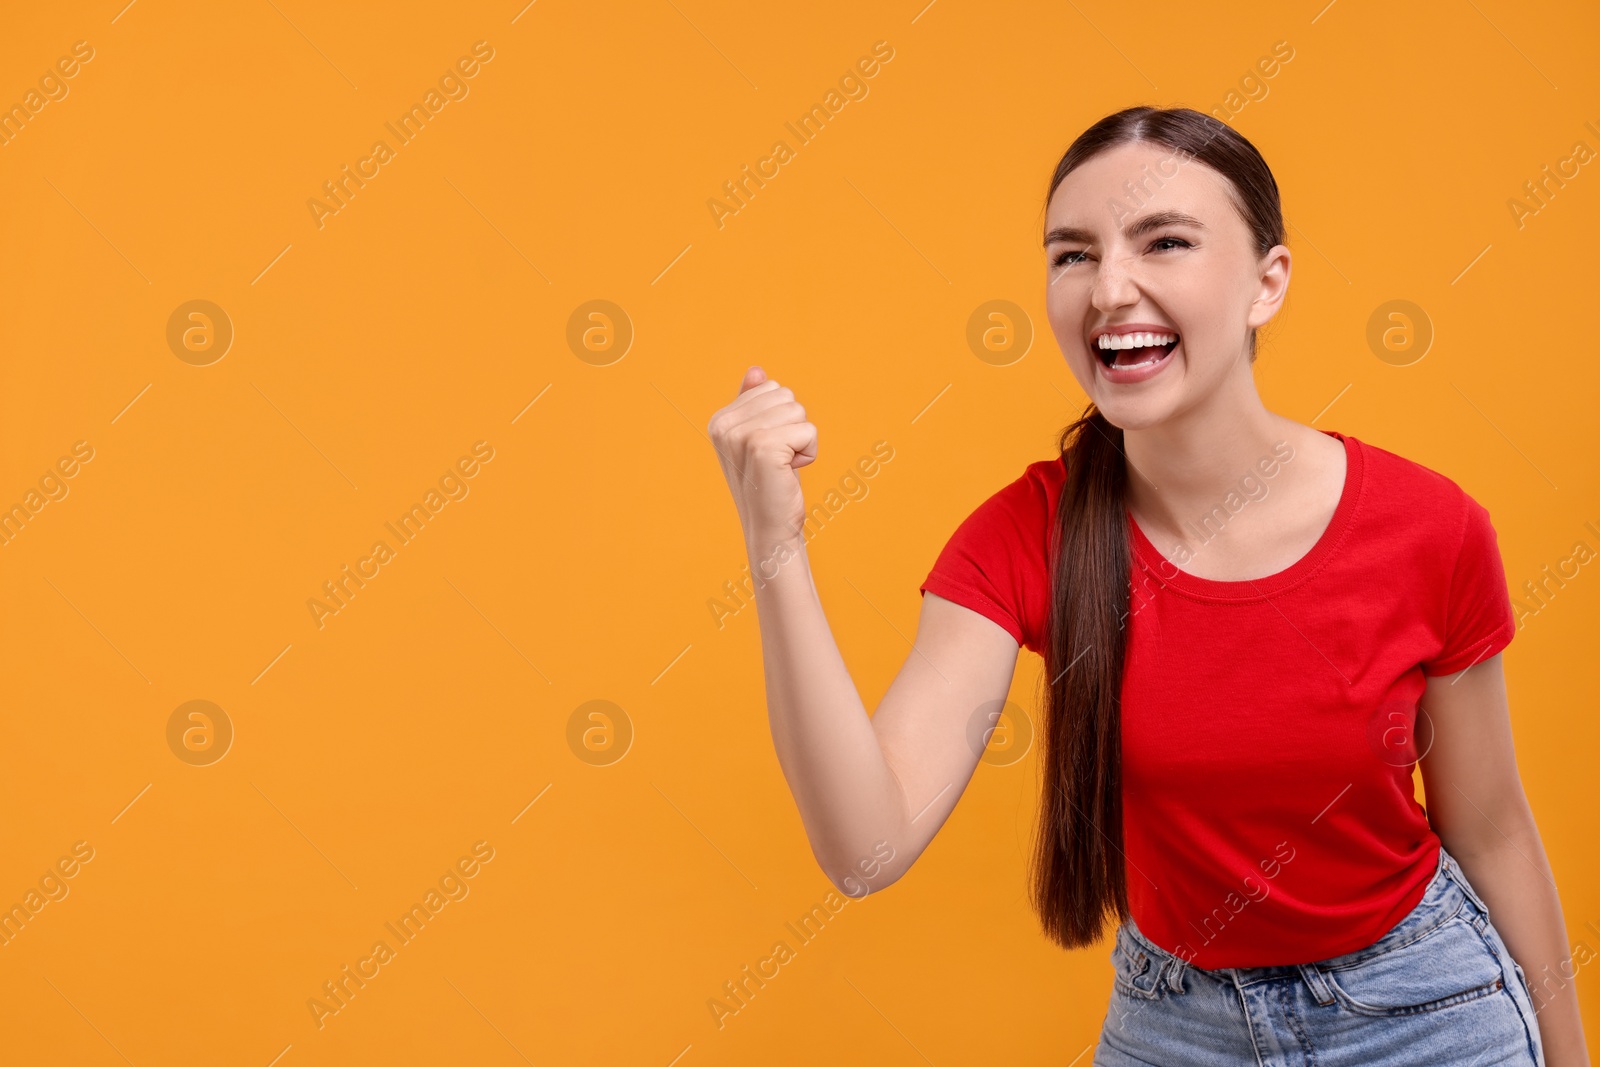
[{"x": 1171, "y": 576}]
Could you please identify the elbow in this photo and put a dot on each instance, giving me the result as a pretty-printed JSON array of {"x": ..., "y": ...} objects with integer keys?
[
  {"x": 878, "y": 868},
  {"x": 856, "y": 887}
]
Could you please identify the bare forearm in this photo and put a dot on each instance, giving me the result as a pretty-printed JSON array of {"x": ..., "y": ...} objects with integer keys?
[
  {"x": 848, "y": 797},
  {"x": 1512, "y": 875}
]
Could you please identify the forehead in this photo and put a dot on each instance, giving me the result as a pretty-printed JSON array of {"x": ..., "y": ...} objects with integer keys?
[{"x": 1135, "y": 179}]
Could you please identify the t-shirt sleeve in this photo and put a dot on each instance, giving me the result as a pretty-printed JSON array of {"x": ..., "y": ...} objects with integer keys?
[
  {"x": 994, "y": 562},
  {"x": 1478, "y": 621}
]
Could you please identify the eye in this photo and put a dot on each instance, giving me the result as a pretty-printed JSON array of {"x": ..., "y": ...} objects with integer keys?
[{"x": 1160, "y": 244}]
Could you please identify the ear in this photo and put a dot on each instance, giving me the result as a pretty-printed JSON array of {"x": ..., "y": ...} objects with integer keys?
[{"x": 1274, "y": 286}]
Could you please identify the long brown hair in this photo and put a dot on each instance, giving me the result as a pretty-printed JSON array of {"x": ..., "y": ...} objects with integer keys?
[{"x": 1079, "y": 875}]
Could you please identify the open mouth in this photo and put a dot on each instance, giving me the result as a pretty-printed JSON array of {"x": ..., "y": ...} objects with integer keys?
[{"x": 1138, "y": 356}]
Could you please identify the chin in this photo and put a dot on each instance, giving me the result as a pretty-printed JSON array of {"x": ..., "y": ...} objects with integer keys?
[
  {"x": 1142, "y": 405},
  {"x": 1135, "y": 415}
]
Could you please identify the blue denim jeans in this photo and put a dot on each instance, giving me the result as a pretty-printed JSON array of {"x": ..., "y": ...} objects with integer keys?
[{"x": 1439, "y": 988}]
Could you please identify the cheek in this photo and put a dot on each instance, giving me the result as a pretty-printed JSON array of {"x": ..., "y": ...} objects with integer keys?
[
  {"x": 1210, "y": 302},
  {"x": 1068, "y": 329},
  {"x": 1066, "y": 307}
]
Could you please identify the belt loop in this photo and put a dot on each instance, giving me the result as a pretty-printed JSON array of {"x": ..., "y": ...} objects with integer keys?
[
  {"x": 1319, "y": 986},
  {"x": 1175, "y": 974}
]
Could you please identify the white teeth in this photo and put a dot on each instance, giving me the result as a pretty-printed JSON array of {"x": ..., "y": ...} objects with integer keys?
[{"x": 1135, "y": 340}]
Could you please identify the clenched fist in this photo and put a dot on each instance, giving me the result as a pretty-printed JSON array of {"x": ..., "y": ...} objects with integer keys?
[{"x": 762, "y": 439}]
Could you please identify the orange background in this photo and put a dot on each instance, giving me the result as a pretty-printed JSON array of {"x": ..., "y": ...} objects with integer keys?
[{"x": 431, "y": 311}]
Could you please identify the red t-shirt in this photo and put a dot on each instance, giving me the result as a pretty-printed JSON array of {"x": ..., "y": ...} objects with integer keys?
[{"x": 1267, "y": 745}]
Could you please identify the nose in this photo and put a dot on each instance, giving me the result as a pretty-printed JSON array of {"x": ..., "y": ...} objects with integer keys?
[{"x": 1114, "y": 285}]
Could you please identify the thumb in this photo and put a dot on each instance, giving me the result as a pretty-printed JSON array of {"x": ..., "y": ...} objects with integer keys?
[{"x": 752, "y": 378}]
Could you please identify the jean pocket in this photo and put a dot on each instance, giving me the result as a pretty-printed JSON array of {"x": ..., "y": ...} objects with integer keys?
[
  {"x": 1448, "y": 965},
  {"x": 1522, "y": 976}
]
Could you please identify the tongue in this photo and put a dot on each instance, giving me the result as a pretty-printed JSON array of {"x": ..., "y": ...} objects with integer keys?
[{"x": 1128, "y": 356}]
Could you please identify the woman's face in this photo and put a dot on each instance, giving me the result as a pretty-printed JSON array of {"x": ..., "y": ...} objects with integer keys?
[{"x": 1143, "y": 235}]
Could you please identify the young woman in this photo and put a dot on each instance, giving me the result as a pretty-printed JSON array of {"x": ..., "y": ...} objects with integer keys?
[{"x": 1252, "y": 632}]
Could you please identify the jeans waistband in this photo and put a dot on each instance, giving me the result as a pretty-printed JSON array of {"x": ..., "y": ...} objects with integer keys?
[{"x": 1445, "y": 893}]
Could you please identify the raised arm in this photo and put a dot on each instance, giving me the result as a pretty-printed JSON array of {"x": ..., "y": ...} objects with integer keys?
[{"x": 872, "y": 791}]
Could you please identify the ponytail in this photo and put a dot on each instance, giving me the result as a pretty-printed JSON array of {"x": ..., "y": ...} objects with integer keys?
[{"x": 1079, "y": 876}]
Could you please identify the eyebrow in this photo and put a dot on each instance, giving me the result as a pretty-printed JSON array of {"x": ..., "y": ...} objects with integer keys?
[{"x": 1144, "y": 224}]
